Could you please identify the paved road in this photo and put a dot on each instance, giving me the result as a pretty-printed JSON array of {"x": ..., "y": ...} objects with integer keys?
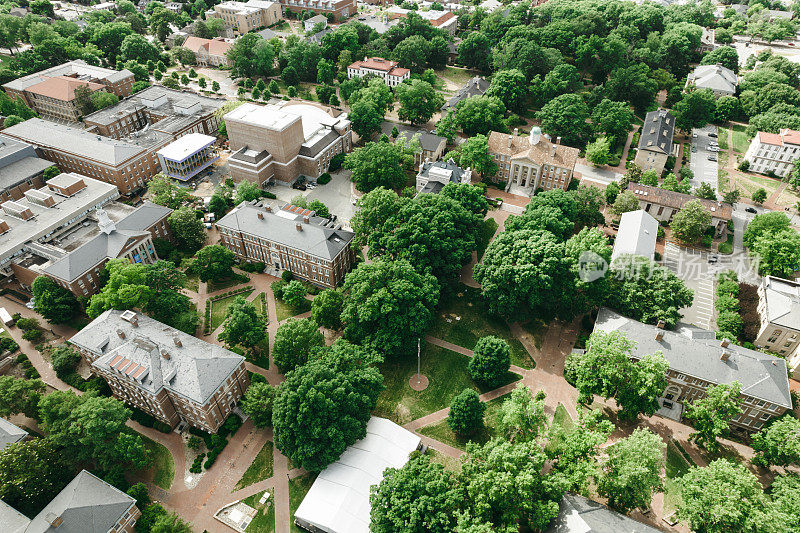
[
  {"x": 705, "y": 171},
  {"x": 698, "y": 274},
  {"x": 600, "y": 175}
]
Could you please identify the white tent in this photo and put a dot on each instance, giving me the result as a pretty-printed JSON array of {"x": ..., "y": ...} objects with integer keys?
[{"x": 338, "y": 501}]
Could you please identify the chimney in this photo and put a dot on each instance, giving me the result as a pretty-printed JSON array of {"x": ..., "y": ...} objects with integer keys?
[
  {"x": 661, "y": 324},
  {"x": 306, "y": 219},
  {"x": 299, "y": 227},
  {"x": 53, "y": 520},
  {"x": 121, "y": 334},
  {"x": 725, "y": 355},
  {"x": 558, "y": 140},
  {"x": 660, "y": 335},
  {"x": 164, "y": 354},
  {"x": 135, "y": 321},
  {"x": 268, "y": 208},
  {"x": 260, "y": 215},
  {"x": 177, "y": 341},
  {"x": 725, "y": 343},
  {"x": 516, "y": 132},
  {"x": 554, "y": 151},
  {"x": 510, "y": 140}
]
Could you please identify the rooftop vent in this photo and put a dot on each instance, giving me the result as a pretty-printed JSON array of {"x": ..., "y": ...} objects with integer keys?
[
  {"x": 661, "y": 324},
  {"x": 725, "y": 355},
  {"x": 268, "y": 208},
  {"x": 725, "y": 343},
  {"x": 177, "y": 341},
  {"x": 130, "y": 317},
  {"x": 660, "y": 335},
  {"x": 53, "y": 519},
  {"x": 306, "y": 219},
  {"x": 17, "y": 210},
  {"x": 121, "y": 334},
  {"x": 165, "y": 354},
  {"x": 260, "y": 216},
  {"x": 299, "y": 227},
  {"x": 40, "y": 198}
]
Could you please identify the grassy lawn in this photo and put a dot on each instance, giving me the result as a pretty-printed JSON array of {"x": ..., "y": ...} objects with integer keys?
[
  {"x": 259, "y": 469},
  {"x": 722, "y": 174},
  {"x": 562, "y": 417},
  {"x": 192, "y": 283},
  {"x": 219, "y": 308},
  {"x": 676, "y": 467},
  {"x": 722, "y": 138},
  {"x": 536, "y": 329},
  {"x": 740, "y": 140},
  {"x": 298, "y": 488},
  {"x": 261, "y": 357},
  {"x": 463, "y": 319},
  {"x": 264, "y": 520},
  {"x": 285, "y": 310},
  {"x": 485, "y": 234},
  {"x": 447, "y": 374},
  {"x": 456, "y": 76},
  {"x": 162, "y": 469},
  {"x": 443, "y": 433},
  {"x": 236, "y": 279}
]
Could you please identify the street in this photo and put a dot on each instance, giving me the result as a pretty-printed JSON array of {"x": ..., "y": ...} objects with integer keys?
[{"x": 705, "y": 171}]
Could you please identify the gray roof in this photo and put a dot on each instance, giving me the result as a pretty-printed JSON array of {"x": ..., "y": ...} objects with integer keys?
[
  {"x": 319, "y": 143},
  {"x": 782, "y": 302},
  {"x": 427, "y": 141},
  {"x": 18, "y": 162},
  {"x": 194, "y": 370},
  {"x": 80, "y": 142},
  {"x": 637, "y": 235},
  {"x": 144, "y": 217},
  {"x": 434, "y": 186},
  {"x": 267, "y": 34},
  {"x": 696, "y": 352},
  {"x": 10, "y": 433},
  {"x": 317, "y": 37},
  {"x": 12, "y": 520},
  {"x": 657, "y": 132},
  {"x": 577, "y": 514},
  {"x": 477, "y": 86},
  {"x": 314, "y": 239},
  {"x": 87, "y": 505},
  {"x": 78, "y": 68},
  {"x": 714, "y": 77}
]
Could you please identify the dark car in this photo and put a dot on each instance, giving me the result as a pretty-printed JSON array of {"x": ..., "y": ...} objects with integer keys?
[
  {"x": 712, "y": 134},
  {"x": 713, "y": 258},
  {"x": 299, "y": 186},
  {"x": 750, "y": 209}
]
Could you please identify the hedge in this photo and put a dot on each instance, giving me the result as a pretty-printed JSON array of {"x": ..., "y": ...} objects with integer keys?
[
  {"x": 149, "y": 421},
  {"x": 197, "y": 464}
]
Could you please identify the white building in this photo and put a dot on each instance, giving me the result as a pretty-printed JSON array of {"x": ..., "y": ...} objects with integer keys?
[
  {"x": 779, "y": 311},
  {"x": 391, "y": 74},
  {"x": 774, "y": 152},
  {"x": 637, "y": 235},
  {"x": 186, "y": 157},
  {"x": 722, "y": 81}
]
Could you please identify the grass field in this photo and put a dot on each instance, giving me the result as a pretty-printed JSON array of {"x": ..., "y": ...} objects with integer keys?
[
  {"x": 219, "y": 308},
  {"x": 162, "y": 469},
  {"x": 285, "y": 310},
  {"x": 722, "y": 174},
  {"x": 485, "y": 234},
  {"x": 456, "y": 76},
  {"x": 236, "y": 279},
  {"x": 722, "y": 134},
  {"x": 298, "y": 488},
  {"x": 447, "y": 374},
  {"x": 443, "y": 433},
  {"x": 264, "y": 520},
  {"x": 192, "y": 283},
  {"x": 676, "y": 467},
  {"x": 463, "y": 319},
  {"x": 740, "y": 140},
  {"x": 259, "y": 469}
]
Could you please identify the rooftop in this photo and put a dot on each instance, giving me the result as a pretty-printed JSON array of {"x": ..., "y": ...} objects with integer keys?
[
  {"x": 381, "y": 65},
  {"x": 714, "y": 77},
  {"x": 18, "y": 163},
  {"x": 697, "y": 353},
  {"x": 427, "y": 141},
  {"x": 62, "y": 87},
  {"x": 659, "y": 196},
  {"x": 10, "y": 433},
  {"x": 577, "y": 514},
  {"x": 156, "y": 356},
  {"x": 657, "y": 132},
  {"x": 214, "y": 47},
  {"x": 784, "y": 136},
  {"x": 782, "y": 302},
  {"x": 82, "y": 143},
  {"x": 78, "y": 68},
  {"x": 535, "y": 146},
  {"x": 477, "y": 86},
  {"x": 46, "y": 220},
  {"x": 637, "y": 235},
  {"x": 265, "y": 222},
  {"x": 440, "y": 173},
  {"x": 185, "y": 146}
]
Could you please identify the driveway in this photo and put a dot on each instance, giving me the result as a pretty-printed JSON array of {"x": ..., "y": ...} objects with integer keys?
[
  {"x": 337, "y": 195},
  {"x": 599, "y": 175},
  {"x": 705, "y": 171},
  {"x": 698, "y": 274}
]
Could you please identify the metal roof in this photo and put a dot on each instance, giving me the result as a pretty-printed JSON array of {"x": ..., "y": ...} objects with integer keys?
[
  {"x": 577, "y": 514},
  {"x": 637, "y": 235},
  {"x": 10, "y": 433}
]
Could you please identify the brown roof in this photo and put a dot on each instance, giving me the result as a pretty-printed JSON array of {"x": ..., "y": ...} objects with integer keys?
[
  {"x": 62, "y": 87},
  {"x": 676, "y": 200},
  {"x": 541, "y": 152},
  {"x": 375, "y": 63},
  {"x": 784, "y": 136},
  {"x": 214, "y": 47}
]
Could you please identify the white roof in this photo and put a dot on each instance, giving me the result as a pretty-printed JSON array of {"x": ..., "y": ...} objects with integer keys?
[
  {"x": 637, "y": 235},
  {"x": 186, "y": 146},
  {"x": 338, "y": 501}
]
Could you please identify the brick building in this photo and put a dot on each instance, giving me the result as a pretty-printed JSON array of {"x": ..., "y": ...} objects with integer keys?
[
  {"x": 441, "y": 19},
  {"x": 245, "y": 17},
  {"x": 774, "y": 152},
  {"x": 21, "y": 169},
  {"x": 310, "y": 247},
  {"x": 280, "y": 141},
  {"x": 663, "y": 204},
  {"x": 655, "y": 141},
  {"x": 340, "y": 10},
  {"x": 50, "y": 92},
  {"x": 156, "y": 368},
  {"x": 387, "y": 70},
  {"x": 209, "y": 52},
  {"x": 697, "y": 360},
  {"x": 779, "y": 311},
  {"x": 532, "y": 162}
]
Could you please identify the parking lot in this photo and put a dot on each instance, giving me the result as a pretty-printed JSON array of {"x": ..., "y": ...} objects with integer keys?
[
  {"x": 705, "y": 171},
  {"x": 337, "y": 195}
]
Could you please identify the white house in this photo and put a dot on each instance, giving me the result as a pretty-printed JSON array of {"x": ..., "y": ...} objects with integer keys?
[
  {"x": 774, "y": 152},
  {"x": 391, "y": 74},
  {"x": 722, "y": 81}
]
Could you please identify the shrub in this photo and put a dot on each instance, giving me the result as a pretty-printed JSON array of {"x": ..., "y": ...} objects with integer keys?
[
  {"x": 8, "y": 344},
  {"x": 277, "y": 288},
  {"x": 197, "y": 464},
  {"x": 730, "y": 321},
  {"x": 466, "y": 413},
  {"x": 287, "y": 276},
  {"x": 727, "y": 303},
  {"x": 27, "y": 324},
  {"x": 254, "y": 268},
  {"x": 64, "y": 360},
  {"x": 231, "y": 426},
  {"x": 32, "y": 335},
  {"x": 728, "y": 288},
  {"x": 725, "y": 248},
  {"x": 324, "y": 178},
  {"x": 21, "y": 357},
  {"x": 336, "y": 162},
  {"x": 491, "y": 361}
]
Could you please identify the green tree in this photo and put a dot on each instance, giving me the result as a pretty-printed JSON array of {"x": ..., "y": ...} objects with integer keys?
[
  {"x": 522, "y": 416},
  {"x": 760, "y": 196},
  {"x": 727, "y": 108},
  {"x": 599, "y": 151},
  {"x": 257, "y": 403},
  {"x": 324, "y": 406},
  {"x": 720, "y": 497},
  {"x": 418, "y": 101},
  {"x": 420, "y": 496},
  {"x": 377, "y": 164},
  {"x": 136, "y": 47},
  {"x": 365, "y": 118},
  {"x": 778, "y": 443},
  {"x": 213, "y": 262},
  {"x": 631, "y": 474},
  {"x": 319, "y": 208},
  {"x": 565, "y": 116},
  {"x": 388, "y": 305},
  {"x": 294, "y": 293},
  {"x": 326, "y": 309},
  {"x": 690, "y": 223},
  {"x": 20, "y": 396},
  {"x": 490, "y": 361},
  {"x": 294, "y": 341},
  {"x": 474, "y": 51},
  {"x": 763, "y": 225},
  {"x": 478, "y": 115},
  {"x": 632, "y": 84},
  {"x": 188, "y": 230},
  {"x": 506, "y": 485},
  {"x": 612, "y": 191},
  {"x": 611, "y": 118},
  {"x": 64, "y": 360},
  {"x": 139, "y": 492},
  {"x": 777, "y": 253},
  {"x": 711, "y": 415},
  {"x": 170, "y": 523},
  {"x": 32, "y": 473},
  {"x": 511, "y": 87},
  {"x": 574, "y": 450},
  {"x": 247, "y": 191},
  {"x": 725, "y": 56},
  {"x": 705, "y": 191},
  {"x": 590, "y": 201},
  {"x": 475, "y": 155},
  {"x": 243, "y": 326},
  {"x": 466, "y": 413},
  {"x": 55, "y": 303},
  {"x": 471, "y": 197},
  {"x": 215, "y": 86},
  {"x": 165, "y": 192}
]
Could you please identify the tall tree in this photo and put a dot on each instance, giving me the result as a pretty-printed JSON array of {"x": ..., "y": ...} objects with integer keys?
[
  {"x": 690, "y": 223},
  {"x": 187, "y": 229},
  {"x": 490, "y": 361},
  {"x": 511, "y": 87},
  {"x": 418, "y": 101},
  {"x": 574, "y": 450},
  {"x": 631, "y": 474},
  {"x": 377, "y": 164},
  {"x": 466, "y": 413},
  {"x": 326, "y": 309},
  {"x": 31, "y": 474},
  {"x": 712, "y": 415},
  {"x": 565, "y": 116},
  {"x": 778, "y": 443},
  {"x": 213, "y": 262},
  {"x": 55, "y": 303},
  {"x": 20, "y": 396},
  {"x": 294, "y": 342},
  {"x": 243, "y": 326},
  {"x": 257, "y": 403},
  {"x": 475, "y": 155},
  {"x": 522, "y": 416}
]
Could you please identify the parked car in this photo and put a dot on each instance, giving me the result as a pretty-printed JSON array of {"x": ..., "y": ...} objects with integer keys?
[
  {"x": 713, "y": 258},
  {"x": 750, "y": 209},
  {"x": 694, "y": 148},
  {"x": 712, "y": 157},
  {"x": 712, "y": 134},
  {"x": 299, "y": 186},
  {"x": 713, "y": 149}
]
